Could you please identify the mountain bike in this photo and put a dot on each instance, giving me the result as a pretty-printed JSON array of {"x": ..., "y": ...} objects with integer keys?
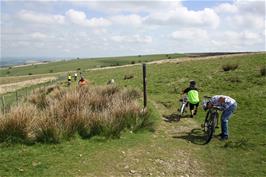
[
  {"x": 211, "y": 120},
  {"x": 183, "y": 105}
]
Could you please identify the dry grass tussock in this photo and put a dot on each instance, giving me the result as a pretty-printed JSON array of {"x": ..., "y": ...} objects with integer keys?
[
  {"x": 53, "y": 114},
  {"x": 230, "y": 67}
]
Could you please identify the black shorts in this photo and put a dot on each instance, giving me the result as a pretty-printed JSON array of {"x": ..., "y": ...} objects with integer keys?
[{"x": 191, "y": 106}]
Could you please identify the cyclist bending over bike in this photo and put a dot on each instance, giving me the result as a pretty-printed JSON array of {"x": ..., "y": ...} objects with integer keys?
[
  {"x": 228, "y": 105},
  {"x": 193, "y": 97}
]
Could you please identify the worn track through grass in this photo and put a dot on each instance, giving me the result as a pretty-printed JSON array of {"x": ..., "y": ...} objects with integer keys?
[{"x": 162, "y": 154}]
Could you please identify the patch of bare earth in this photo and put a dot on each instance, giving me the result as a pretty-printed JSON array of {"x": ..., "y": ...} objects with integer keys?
[{"x": 4, "y": 88}]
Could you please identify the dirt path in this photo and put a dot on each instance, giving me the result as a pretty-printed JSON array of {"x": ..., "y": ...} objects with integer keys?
[
  {"x": 164, "y": 155},
  {"x": 178, "y": 158}
]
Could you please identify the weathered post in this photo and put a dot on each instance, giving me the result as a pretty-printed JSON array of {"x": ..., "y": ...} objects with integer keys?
[{"x": 144, "y": 85}]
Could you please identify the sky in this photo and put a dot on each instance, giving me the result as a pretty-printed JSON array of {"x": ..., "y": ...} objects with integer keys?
[{"x": 59, "y": 28}]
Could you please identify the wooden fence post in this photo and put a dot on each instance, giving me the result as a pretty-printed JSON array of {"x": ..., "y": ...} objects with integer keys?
[{"x": 144, "y": 85}]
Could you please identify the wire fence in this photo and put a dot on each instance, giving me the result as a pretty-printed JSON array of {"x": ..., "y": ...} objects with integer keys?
[{"x": 13, "y": 98}]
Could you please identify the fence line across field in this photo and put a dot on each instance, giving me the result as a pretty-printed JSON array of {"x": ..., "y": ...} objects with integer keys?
[{"x": 23, "y": 93}]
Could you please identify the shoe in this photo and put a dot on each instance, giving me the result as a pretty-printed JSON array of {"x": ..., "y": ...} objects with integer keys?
[
  {"x": 221, "y": 134},
  {"x": 224, "y": 137},
  {"x": 195, "y": 113}
]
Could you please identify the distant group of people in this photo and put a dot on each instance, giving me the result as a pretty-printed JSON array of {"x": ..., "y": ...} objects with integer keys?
[
  {"x": 227, "y": 104},
  {"x": 82, "y": 81}
]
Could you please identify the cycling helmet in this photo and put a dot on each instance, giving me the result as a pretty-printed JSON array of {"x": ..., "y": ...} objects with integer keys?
[{"x": 192, "y": 83}]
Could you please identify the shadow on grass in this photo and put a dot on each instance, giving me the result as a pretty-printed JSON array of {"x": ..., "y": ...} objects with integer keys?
[
  {"x": 242, "y": 143},
  {"x": 174, "y": 117},
  {"x": 195, "y": 136}
]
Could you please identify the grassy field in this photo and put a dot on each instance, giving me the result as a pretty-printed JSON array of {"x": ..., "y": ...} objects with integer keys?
[
  {"x": 244, "y": 84},
  {"x": 173, "y": 149},
  {"x": 81, "y": 64}
]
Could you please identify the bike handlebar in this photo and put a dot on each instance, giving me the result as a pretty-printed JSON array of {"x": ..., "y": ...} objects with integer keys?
[
  {"x": 219, "y": 108},
  {"x": 208, "y": 97}
]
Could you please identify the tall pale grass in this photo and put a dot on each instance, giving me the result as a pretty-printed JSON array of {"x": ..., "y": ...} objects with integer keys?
[
  {"x": 53, "y": 114},
  {"x": 14, "y": 126}
]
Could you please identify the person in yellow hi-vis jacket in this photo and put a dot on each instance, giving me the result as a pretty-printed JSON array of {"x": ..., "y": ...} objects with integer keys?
[
  {"x": 69, "y": 79},
  {"x": 193, "y": 97}
]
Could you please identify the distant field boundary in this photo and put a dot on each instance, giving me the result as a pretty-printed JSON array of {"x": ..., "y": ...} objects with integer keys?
[{"x": 181, "y": 59}]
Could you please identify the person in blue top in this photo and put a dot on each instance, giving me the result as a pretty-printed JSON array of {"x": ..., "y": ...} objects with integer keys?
[
  {"x": 228, "y": 106},
  {"x": 193, "y": 97}
]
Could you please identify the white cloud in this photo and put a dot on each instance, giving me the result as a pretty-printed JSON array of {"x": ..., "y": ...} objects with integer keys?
[
  {"x": 247, "y": 21},
  {"x": 237, "y": 40},
  {"x": 252, "y": 7},
  {"x": 190, "y": 34},
  {"x": 131, "y": 39},
  {"x": 77, "y": 17},
  {"x": 132, "y": 19},
  {"x": 184, "y": 17},
  {"x": 38, "y": 35},
  {"x": 123, "y": 27},
  {"x": 245, "y": 37},
  {"x": 226, "y": 8},
  {"x": 129, "y": 6},
  {"x": 243, "y": 14},
  {"x": 35, "y": 17},
  {"x": 98, "y": 22},
  {"x": 80, "y": 18}
]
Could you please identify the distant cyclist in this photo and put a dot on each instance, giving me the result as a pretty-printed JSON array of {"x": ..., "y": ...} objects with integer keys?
[
  {"x": 69, "y": 79},
  {"x": 193, "y": 97},
  {"x": 75, "y": 76},
  {"x": 228, "y": 105},
  {"x": 82, "y": 81}
]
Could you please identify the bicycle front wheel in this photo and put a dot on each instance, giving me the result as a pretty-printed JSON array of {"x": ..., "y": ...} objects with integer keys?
[{"x": 209, "y": 126}]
